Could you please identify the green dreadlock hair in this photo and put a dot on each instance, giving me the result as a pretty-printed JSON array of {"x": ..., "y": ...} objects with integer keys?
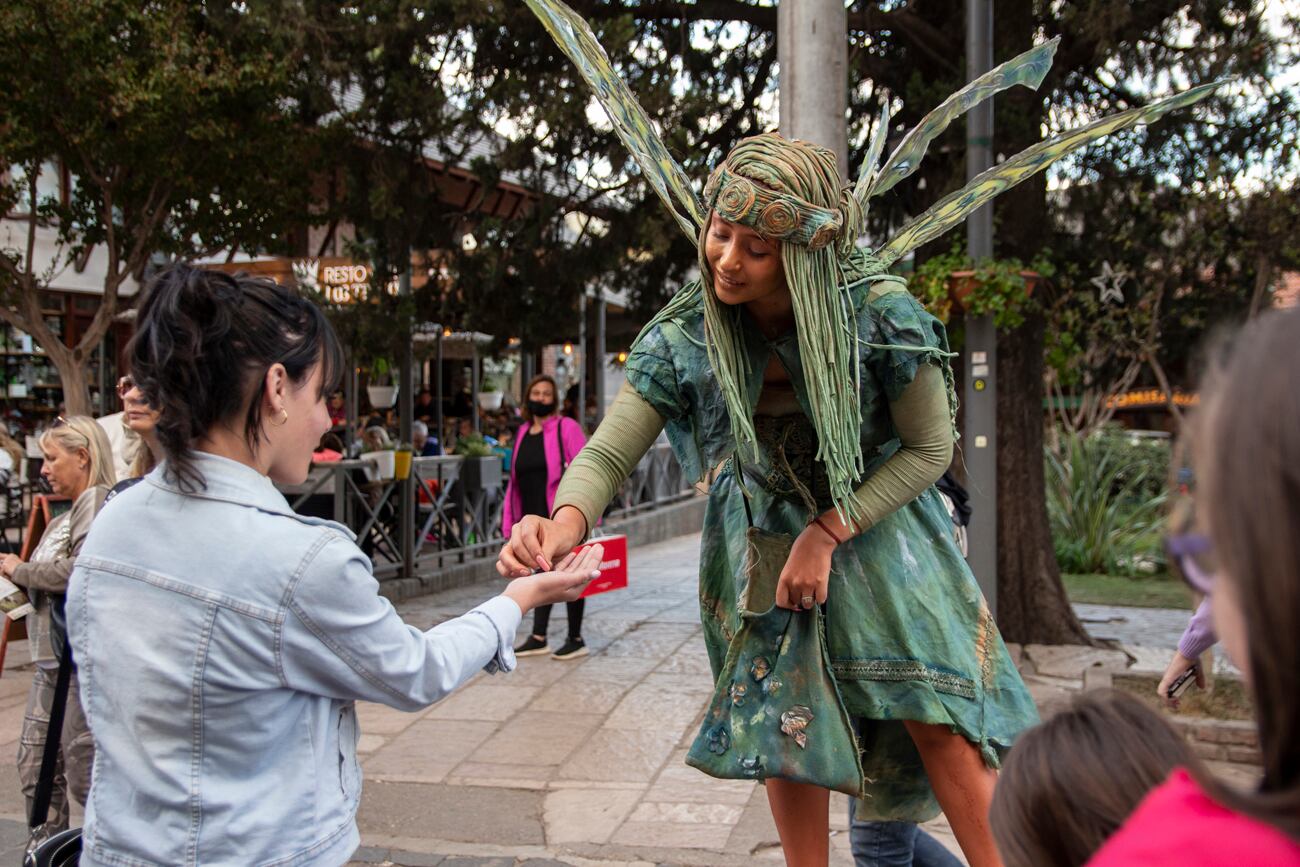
[{"x": 823, "y": 311}]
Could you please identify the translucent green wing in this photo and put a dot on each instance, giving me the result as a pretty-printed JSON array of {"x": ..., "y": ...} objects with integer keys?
[
  {"x": 955, "y": 207},
  {"x": 867, "y": 173},
  {"x": 575, "y": 39},
  {"x": 1028, "y": 69}
]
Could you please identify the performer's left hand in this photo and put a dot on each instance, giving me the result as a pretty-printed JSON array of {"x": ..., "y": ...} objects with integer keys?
[{"x": 807, "y": 573}]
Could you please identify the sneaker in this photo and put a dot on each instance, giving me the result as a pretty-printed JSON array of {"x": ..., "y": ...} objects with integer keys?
[
  {"x": 572, "y": 649},
  {"x": 534, "y": 646}
]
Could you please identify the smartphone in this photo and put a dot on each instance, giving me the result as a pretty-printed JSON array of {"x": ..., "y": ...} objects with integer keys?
[{"x": 1182, "y": 682}]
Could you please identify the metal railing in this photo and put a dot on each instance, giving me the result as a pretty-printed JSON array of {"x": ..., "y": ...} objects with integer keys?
[
  {"x": 456, "y": 506},
  {"x": 657, "y": 481}
]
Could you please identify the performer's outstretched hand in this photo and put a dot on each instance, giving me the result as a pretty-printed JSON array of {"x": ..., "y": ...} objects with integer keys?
[
  {"x": 807, "y": 573},
  {"x": 536, "y": 542}
]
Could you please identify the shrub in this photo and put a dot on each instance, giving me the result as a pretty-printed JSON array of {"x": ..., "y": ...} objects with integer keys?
[
  {"x": 1105, "y": 499},
  {"x": 473, "y": 446}
]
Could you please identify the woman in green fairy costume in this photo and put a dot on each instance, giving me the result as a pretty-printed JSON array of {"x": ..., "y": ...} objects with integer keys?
[{"x": 799, "y": 375}]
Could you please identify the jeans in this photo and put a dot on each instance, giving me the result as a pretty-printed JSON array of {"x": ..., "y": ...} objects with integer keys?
[{"x": 895, "y": 844}]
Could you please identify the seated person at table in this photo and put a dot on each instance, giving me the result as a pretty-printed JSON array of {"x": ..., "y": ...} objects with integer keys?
[{"x": 423, "y": 443}]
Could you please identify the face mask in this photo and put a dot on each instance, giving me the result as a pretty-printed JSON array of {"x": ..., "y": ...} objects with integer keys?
[{"x": 538, "y": 408}]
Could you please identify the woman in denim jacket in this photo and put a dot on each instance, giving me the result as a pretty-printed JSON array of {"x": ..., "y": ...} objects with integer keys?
[{"x": 223, "y": 638}]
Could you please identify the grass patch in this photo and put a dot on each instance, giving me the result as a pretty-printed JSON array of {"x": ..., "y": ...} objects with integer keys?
[
  {"x": 1152, "y": 592},
  {"x": 1228, "y": 698}
]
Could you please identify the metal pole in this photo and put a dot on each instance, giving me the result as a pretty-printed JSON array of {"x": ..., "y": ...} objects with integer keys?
[
  {"x": 437, "y": 384},
  {"x": 474, "y": 382},
  {"x": 582, "y": 361},
  {"x": 980, "y": 385},
  {"x": 812, "y": 48},
  {"x": 350, "y": 424},
  {"x": 528, "y": 365},
  {"x": 405, "y": 414},
  {"x": 102, "y": 384},
  {"x": 600, "y": 359}
]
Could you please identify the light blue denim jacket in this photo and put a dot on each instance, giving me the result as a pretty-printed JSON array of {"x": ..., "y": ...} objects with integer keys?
[{"x": 222, "y": 640}]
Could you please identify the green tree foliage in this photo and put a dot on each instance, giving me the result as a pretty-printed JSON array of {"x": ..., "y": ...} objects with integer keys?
[{"x": 170, "y": 118}]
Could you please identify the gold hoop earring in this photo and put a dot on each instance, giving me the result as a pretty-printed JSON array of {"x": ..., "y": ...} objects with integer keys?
[{"x": 282, "y": 423}]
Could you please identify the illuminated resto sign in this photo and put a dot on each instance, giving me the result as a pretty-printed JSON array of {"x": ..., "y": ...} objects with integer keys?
[{"x": 341, "y": 281}]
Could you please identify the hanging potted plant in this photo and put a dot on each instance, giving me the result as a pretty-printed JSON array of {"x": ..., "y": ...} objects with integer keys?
[
  {"x": 490, "y": 397},
  {"x": 380, "y": 388},
  {"x": 497, "y": 372},
  {"x": 951, "y": 283}
]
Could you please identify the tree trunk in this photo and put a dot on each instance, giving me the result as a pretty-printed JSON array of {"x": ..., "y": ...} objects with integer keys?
[
  {"x": 1032, "y": 604},
  {"x": 23, "y": 311},
  {"x": 72, "y": 376}
]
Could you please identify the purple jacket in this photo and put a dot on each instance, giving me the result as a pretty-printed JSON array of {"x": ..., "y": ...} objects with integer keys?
[
  {"x": 574, "y": 439},
  {"x": 1199, "y": 635}
]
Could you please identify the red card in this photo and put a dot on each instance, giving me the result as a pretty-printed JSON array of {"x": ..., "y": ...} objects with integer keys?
[{"x": 613, "y": 565}]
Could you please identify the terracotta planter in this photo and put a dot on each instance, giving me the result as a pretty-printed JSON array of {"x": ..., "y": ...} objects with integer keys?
[{"x": 962, "y": 283}]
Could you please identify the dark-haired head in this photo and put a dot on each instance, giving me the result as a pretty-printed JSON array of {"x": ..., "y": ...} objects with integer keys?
[
  {"x": 1069, "y": 783},
  {"x": 539, "y": 394},
  {"x": 220, "y": 355},
  {"x": 1247, "y": 461}
]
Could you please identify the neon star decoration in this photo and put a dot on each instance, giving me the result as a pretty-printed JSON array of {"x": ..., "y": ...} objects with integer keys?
[{"x": 1110, "y": 284}]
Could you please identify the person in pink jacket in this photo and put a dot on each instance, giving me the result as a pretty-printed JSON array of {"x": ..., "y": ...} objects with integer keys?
[{"x": 544, "y": 447}]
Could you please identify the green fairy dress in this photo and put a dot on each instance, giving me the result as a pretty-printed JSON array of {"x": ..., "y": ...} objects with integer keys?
[{"x": 909, "y": 633}]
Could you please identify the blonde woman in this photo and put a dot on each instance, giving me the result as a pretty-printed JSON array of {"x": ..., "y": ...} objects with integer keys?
[{"x": 79, "y": 466}]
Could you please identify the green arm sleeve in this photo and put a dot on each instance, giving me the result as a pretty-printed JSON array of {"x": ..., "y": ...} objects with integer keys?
[
  {"x": 920, "y": 416},
  {"x": 626, "y": 434}
]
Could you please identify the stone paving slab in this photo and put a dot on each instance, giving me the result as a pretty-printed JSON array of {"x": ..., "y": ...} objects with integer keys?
[{"x": 1157, "y": 629}]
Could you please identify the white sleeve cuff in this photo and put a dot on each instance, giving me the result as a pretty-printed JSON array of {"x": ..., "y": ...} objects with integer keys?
[{"x": 505, "y": 616}]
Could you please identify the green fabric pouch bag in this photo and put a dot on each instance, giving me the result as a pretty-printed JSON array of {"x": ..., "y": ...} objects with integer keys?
[{"x": 776, "y": 711}]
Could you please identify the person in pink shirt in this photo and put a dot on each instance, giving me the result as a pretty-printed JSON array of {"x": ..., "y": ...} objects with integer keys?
[
  {"x": 1246, "y": 559},
  {"x": 544, "y": 447}
]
